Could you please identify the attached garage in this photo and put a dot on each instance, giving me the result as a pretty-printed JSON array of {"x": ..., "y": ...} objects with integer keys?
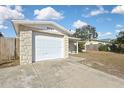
[
  {"x": 46, "y": 46},
  {"x": 42, "y": 40}
]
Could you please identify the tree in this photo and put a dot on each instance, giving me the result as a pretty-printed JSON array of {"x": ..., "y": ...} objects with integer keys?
[
  {"x": 120, "y": 40},
  {"x": 1, "y": 35},
  {"x": 118, "y": 43},
  {"x": 120, "y": 37},
  {"x": 86, "y": 33}
]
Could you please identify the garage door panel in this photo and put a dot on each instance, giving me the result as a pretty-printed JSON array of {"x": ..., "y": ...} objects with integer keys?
[{"x": 48, "y": 47}]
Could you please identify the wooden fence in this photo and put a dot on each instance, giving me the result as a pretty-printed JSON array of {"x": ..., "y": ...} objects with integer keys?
[{"x": 9, "y": 49}]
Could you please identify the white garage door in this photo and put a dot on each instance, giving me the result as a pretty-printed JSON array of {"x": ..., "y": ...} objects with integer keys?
[{"x": 47, "y": 47}]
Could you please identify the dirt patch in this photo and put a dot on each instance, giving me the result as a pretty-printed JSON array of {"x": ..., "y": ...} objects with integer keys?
[{"x": 112, "y": 63}]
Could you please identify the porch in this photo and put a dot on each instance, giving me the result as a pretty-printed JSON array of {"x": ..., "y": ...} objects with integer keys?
[{"x": 73, "y": 45}]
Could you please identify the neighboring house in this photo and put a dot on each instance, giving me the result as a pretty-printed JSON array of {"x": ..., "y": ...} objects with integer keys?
[
  {"x": 94, "y": 44},
  {"x": 43, "y": 40}
]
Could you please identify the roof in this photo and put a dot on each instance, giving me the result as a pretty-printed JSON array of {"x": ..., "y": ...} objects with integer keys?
[
  {"x": 101, "y": 41},
  {"x": 73, "y": 38},
  {"x": 16, "y": 23}
]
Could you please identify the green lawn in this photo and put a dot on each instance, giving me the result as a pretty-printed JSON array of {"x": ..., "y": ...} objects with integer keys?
[{"x": 112, "y": 63}]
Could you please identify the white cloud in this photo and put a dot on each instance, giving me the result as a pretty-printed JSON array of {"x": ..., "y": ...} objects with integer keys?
[
  {"x": 122, "y": 29},
  {"x": 102, "y": 19},
  {"x": 87, "y": 8},
  {"x": 99, "y": 11},
  {"x": 119, "y": 26},
  {"x": 96, "y": 12},
  {"x": 18, "y": 8},
  {"x": 9, "y": 13},
  {"x": 118, "y": 10},
  {"x": 104, "y": 34},
  {"x": 48, "y": 13},
  {"x": 108, "y": 33},
  {"x": 3, "y": 26},
  {"x": 118, "y": 30},
  {"x": 79, "y": 23}
]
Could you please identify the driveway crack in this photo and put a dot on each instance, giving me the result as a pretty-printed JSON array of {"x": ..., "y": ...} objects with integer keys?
[{"x": 36, "y": 72}]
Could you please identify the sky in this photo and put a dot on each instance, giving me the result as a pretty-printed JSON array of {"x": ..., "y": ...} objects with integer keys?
[{"x": 108, "y": 20}]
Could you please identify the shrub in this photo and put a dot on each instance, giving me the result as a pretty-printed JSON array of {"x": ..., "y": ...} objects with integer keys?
[
  {"x": 117, "y": 48},
  {"x": 81, "y": 46},
  {"x": 103, "y": 47},
  {"x": 114, "y": 48}
]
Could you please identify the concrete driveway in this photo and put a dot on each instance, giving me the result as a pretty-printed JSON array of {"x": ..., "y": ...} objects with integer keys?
[{"x": 57, "y": 73}]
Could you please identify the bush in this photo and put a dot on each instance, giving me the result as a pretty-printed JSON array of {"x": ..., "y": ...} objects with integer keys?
[
  {"x": 103, "y": 48},
  {"x": 81, "y": 46},
  {"x": 114, "y": 48},
  {"x": 117, "y": 48}
]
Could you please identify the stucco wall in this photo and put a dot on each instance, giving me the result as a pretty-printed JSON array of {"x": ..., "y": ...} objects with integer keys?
[{"x": 25, "y": 47}]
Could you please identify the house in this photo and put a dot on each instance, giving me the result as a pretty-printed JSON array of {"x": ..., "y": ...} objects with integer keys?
[
  {"x": 43, "y": 40},
  {"x": 94, "y": 44}
]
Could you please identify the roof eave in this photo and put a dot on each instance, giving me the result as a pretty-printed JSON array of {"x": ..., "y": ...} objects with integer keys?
[{"x": 17, "y": 22}]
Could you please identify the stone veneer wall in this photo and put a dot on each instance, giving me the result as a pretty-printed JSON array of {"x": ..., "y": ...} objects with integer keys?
[
  {"x": 66, "y": 46},
  {"x": 25, "y": 47}
]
